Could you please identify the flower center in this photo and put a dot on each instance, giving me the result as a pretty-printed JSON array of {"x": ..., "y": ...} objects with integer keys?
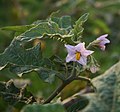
[{"x": 77, "y": 55}]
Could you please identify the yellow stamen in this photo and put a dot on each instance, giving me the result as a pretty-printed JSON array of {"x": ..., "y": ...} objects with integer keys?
[{"x": 77, "y": 55}]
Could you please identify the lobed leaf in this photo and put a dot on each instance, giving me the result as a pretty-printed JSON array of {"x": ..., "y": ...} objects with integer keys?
[
  {"x": 48, "y": 29},
  {"x": 78, "y": 28}
]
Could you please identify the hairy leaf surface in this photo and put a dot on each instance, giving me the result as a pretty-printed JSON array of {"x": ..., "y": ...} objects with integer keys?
[
  {"x": 107, "y": 97},
  {"x": 48, "y": 29},
  {"x": 15, "y": 54}
]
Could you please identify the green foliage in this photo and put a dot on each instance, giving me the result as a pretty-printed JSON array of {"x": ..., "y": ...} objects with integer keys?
[
  {"x": 63, "y": 22},
  {"x": 16, "y": 55},
  {"x": 24, "y": 61},
  {"x": 78, "y": 105},
  {"x": 48, "y": 75},
  {"x": 21, "y": 29},
  {"x": 106, "y": 98},
  {"x": 43, "y": 108},
  {"x": 14, "y": 92},
  {"x": 104, "y": 18},
  {"x": 78, "y": 29}
]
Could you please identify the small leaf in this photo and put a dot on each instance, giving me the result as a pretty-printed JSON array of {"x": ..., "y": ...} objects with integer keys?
[
  {"x": 43, "y": 108},
  {"x": 78, "y": 29}
]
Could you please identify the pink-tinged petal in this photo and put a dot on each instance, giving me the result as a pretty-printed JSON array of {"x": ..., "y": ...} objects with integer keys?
[
  {"x": 102, "y": 37},
  {"x": 80, "y": 47},
  {"x": 82, "y": 61},
  {"x": 86, "y": 53},
  {"x": 105, "y": 41},
  {"x": 70, "y": 58},
  {"x": 102, "y": 47},
  {"x": 70, "y": 49},
  {"x": 94, "y": 69}
]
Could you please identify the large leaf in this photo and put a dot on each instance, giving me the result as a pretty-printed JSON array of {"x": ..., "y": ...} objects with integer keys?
[
  {"x": 23, "y": 61},
  {"x": 16, "y": 55},
  {"x": 43, "y": 108},
  {"x": 48, "y": 29},
  {"x": 107, "y": 97}
]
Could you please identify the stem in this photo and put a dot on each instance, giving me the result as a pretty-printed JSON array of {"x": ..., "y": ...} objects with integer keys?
[
  {"x": 89, "y": 45},
  {"x": 59, "y": 89},
  {"x": 55, "y": 93},
  {"x": 64, "y": 83},
  {"x": 73, "y": 73},
  {"x": 83, "y": 78}
]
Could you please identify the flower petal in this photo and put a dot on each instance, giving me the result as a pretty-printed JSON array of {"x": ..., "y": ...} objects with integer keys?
[
  {"x": 86, "y": 53},
  {"x": 94, "y": 69},
  {"x": 70, "y": 49},
  {"x": 82, "y": 61},
  {"x": 104, "y": 41},
  {"x": 102, "y": 47},
  {"x": 80, "y": 47},
  {"x": 70, "y": 58},
  {"x": 102, "y": 37}
]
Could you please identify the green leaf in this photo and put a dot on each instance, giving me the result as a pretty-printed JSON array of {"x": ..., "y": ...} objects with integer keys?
[
  {"x": 107, "y": 97},
  {"x": 46, "y": 74},
  {"x": 16, "y": 55},
  {"x": 22, "y": 28},
  {"x": 63, "y": 22},
  {"x": 43, "y": 108},
  {"x": 81, "y": 103},
  {"x": 23, "y": 61},
  {"x": 46, "y": 30},
  {"x": 14, "y": 91},
  {"x": 78, "y": 28}
]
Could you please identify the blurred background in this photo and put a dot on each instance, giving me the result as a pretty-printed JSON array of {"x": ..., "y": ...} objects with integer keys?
[{"x": 104, "y": 17}]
